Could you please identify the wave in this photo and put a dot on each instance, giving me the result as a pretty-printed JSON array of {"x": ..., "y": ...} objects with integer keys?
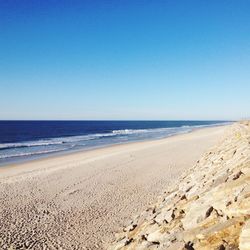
[
  {"x": 52, "y": 144},
  {"x": 52, "y": 141},
  {"x": 206, "y": 125},
  {"x": 70, "y": 139},
  {"x": 28, "y": 144},
  {"x": 139, "y": 131},
  {"x": 30, "y": 153},
  {"x": 129, "y": 131}
]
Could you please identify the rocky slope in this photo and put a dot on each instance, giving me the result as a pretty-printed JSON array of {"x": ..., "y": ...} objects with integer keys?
[{"x": 208, "y": 209}]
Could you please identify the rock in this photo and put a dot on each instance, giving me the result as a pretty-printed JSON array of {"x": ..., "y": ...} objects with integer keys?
[
  {"x": 221, "y": 247},
  {"x": 130, "y": 227},
  {"x": 208, "y": 209},
  {"x": 155, "y": 237},
  {"x": 176, "y": 246},
  {"x": 160, "y": 219},
  {"x": 189, "y": 246},
  {"x": 165, "y": 216},
  {"x": 208, "y": 212},
  {"x": 237, "y": 175},
  {"x": 245, "y": 237}
]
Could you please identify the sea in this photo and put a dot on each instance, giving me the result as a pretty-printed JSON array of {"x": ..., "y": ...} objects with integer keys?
[{"x": 27, "y": 140}]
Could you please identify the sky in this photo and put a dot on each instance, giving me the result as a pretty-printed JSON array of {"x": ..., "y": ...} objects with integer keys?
[{"x": 125, "y": 60}]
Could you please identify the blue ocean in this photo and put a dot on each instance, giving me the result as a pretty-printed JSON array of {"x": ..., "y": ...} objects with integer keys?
[{"x": 26, "y": 140}]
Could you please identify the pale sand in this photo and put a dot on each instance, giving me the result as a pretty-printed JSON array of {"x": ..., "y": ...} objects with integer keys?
[{"x": 78, "y": 201}]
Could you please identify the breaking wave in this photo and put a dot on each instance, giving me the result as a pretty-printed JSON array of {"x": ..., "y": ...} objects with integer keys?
[{"x": 51, "y": 145}]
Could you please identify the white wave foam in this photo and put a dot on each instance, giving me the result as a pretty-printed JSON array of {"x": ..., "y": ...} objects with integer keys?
[
  {"x": 44, "y": 146},
  {"x": 129, "y": 131},
  {"x": 62, "y": 140},
  {"x": 29, "y": 144},
  {"x": 30, "y": 153},
  {"x": 51, "y": 142},
  {"x": 72, "y": 139}
]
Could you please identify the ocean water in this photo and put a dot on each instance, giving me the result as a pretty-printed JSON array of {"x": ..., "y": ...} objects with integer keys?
[{"x": 26, "y": 140}]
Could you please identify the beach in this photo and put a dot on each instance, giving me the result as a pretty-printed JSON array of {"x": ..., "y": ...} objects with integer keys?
[
  {"x": 80, "y": 200},
  {"x": 208, "y": 208}
]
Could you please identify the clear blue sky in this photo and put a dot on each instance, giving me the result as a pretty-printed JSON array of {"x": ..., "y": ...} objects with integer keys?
[{"x": 125, "y": 59}]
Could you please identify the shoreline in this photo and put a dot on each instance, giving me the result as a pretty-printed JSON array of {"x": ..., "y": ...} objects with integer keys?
[
  {"x": 208, "y": 208},
  {"x": 85, "y": 197},
  {"x": 81, "y": 151}
]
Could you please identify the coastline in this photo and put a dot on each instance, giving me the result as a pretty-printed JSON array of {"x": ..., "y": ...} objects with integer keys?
[
  {"x": 12, "y": 158},
  {"x": 59, "y": 154},
  {"x": 84, "y": 197},
  {"x": 208, "y": 208}
]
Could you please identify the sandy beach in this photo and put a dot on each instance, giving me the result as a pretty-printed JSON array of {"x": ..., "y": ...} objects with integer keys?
[
  {"x": 79, "y": 201},
  {"x": 207, "y": 209}
]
